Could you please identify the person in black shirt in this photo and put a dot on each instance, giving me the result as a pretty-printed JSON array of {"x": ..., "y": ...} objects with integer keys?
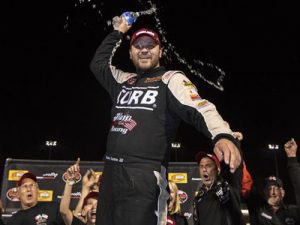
[
  {"x": 148, "y": 106},
  {"x": 32, "y": 212},
  {"x": 217, "y": 201},
  {"x": 271, "y": 210}
]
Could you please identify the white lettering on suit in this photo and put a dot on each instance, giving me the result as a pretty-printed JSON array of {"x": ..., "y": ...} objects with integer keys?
[
  {"x": 126, "y": 95},
  {"x": 149, "y": 97},
  {"x": 137, "y": 98}
]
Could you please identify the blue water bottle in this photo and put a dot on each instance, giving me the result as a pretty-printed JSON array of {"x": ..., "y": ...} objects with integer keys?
[{"x": 130, "y": 17}]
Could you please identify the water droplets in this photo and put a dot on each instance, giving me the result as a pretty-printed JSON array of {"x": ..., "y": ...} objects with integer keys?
[
  {"x": 81, "y": 7},
  {"x": 196, "y": 67}
]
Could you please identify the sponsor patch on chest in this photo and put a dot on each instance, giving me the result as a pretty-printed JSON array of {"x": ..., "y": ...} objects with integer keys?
[
  {"x": 137, "y": 98},
  {"x": 41, "y": 219},
  {"x": 152, "y": 79},
  {"x": 123, "y": 123}
]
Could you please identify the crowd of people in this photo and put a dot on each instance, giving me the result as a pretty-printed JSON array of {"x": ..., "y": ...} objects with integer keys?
[
  {"x": 148, "y": 106},
  {"x": 216, "y": 202}
]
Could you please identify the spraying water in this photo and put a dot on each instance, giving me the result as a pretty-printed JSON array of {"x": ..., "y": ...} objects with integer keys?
[
  {"x": 171, "y": 50},
  {"x": 195, "y": 67}
]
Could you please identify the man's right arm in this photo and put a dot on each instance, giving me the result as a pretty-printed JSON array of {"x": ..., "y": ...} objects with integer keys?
[
  {"x": 101, "y": 65},
  {"x": 293, "y": 167}
]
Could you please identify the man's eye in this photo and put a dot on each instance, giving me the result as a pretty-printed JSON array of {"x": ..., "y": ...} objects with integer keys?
[
  {"x": 138, "y": 46},
  {"x": 149, "y": 46}
]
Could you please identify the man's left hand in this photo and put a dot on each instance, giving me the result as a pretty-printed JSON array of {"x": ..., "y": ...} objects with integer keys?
[{"x": 227, "y": 151}]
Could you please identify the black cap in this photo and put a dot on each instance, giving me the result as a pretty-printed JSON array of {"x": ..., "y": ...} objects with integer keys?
[
  {"x": 24, "y": 176},
  {"x": 92, "y": 194},
  {"x": 200, "y": 155},
  {"x": 273, "y": 180}
]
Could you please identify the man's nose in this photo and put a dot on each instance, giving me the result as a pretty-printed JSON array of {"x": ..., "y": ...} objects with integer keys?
[
  {"x": 272, "y": 191},
  {"x": 28, "y": 188},
  {"x": 144, "y": 51}
]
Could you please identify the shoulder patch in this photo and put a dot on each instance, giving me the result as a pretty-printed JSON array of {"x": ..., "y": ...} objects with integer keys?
[
  {"x": 121, "y": 76},
  {"x": 169, "y": 74},
  {"x": 130, "y": 78}
]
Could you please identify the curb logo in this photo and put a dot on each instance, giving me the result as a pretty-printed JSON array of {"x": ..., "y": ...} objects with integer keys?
[
  {"x": 137, "y": 97},
  {"x": 179, "y": 178}
]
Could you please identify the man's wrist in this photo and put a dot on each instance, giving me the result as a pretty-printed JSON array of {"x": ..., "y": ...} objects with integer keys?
[{"x": 70, "y": 182}]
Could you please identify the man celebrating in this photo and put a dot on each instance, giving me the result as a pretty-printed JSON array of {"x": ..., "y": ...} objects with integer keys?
[
  {"x": 275, "y": 211},
  {"x": 32, "y": 212},
  {"x": 217, "y": 201},
  {"x": 147, "y": 108},
  {"x": 270, "y": 209}
]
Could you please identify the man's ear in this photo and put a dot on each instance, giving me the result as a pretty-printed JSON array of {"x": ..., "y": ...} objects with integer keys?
[
  {"x": 219, "y": 171},
  {"x": 282, "y": 192},
  {"x": 18, "y": 192},
  {"x": 160, "y": 52},
  {"x": 130, "y": 54}
]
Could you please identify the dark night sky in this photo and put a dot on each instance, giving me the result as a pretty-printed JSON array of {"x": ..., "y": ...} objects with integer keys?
[{"x": 49, "y": 92}]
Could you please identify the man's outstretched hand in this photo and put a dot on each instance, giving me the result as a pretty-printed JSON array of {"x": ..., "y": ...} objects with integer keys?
[{"x": 226, "y": 150}]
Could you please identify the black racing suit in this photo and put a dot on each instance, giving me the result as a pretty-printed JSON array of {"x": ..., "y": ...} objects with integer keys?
[
  {"x": 262, "y": 214},
  {"x": 220, "y": 205},
  {"x": 146, "y": 112}
]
